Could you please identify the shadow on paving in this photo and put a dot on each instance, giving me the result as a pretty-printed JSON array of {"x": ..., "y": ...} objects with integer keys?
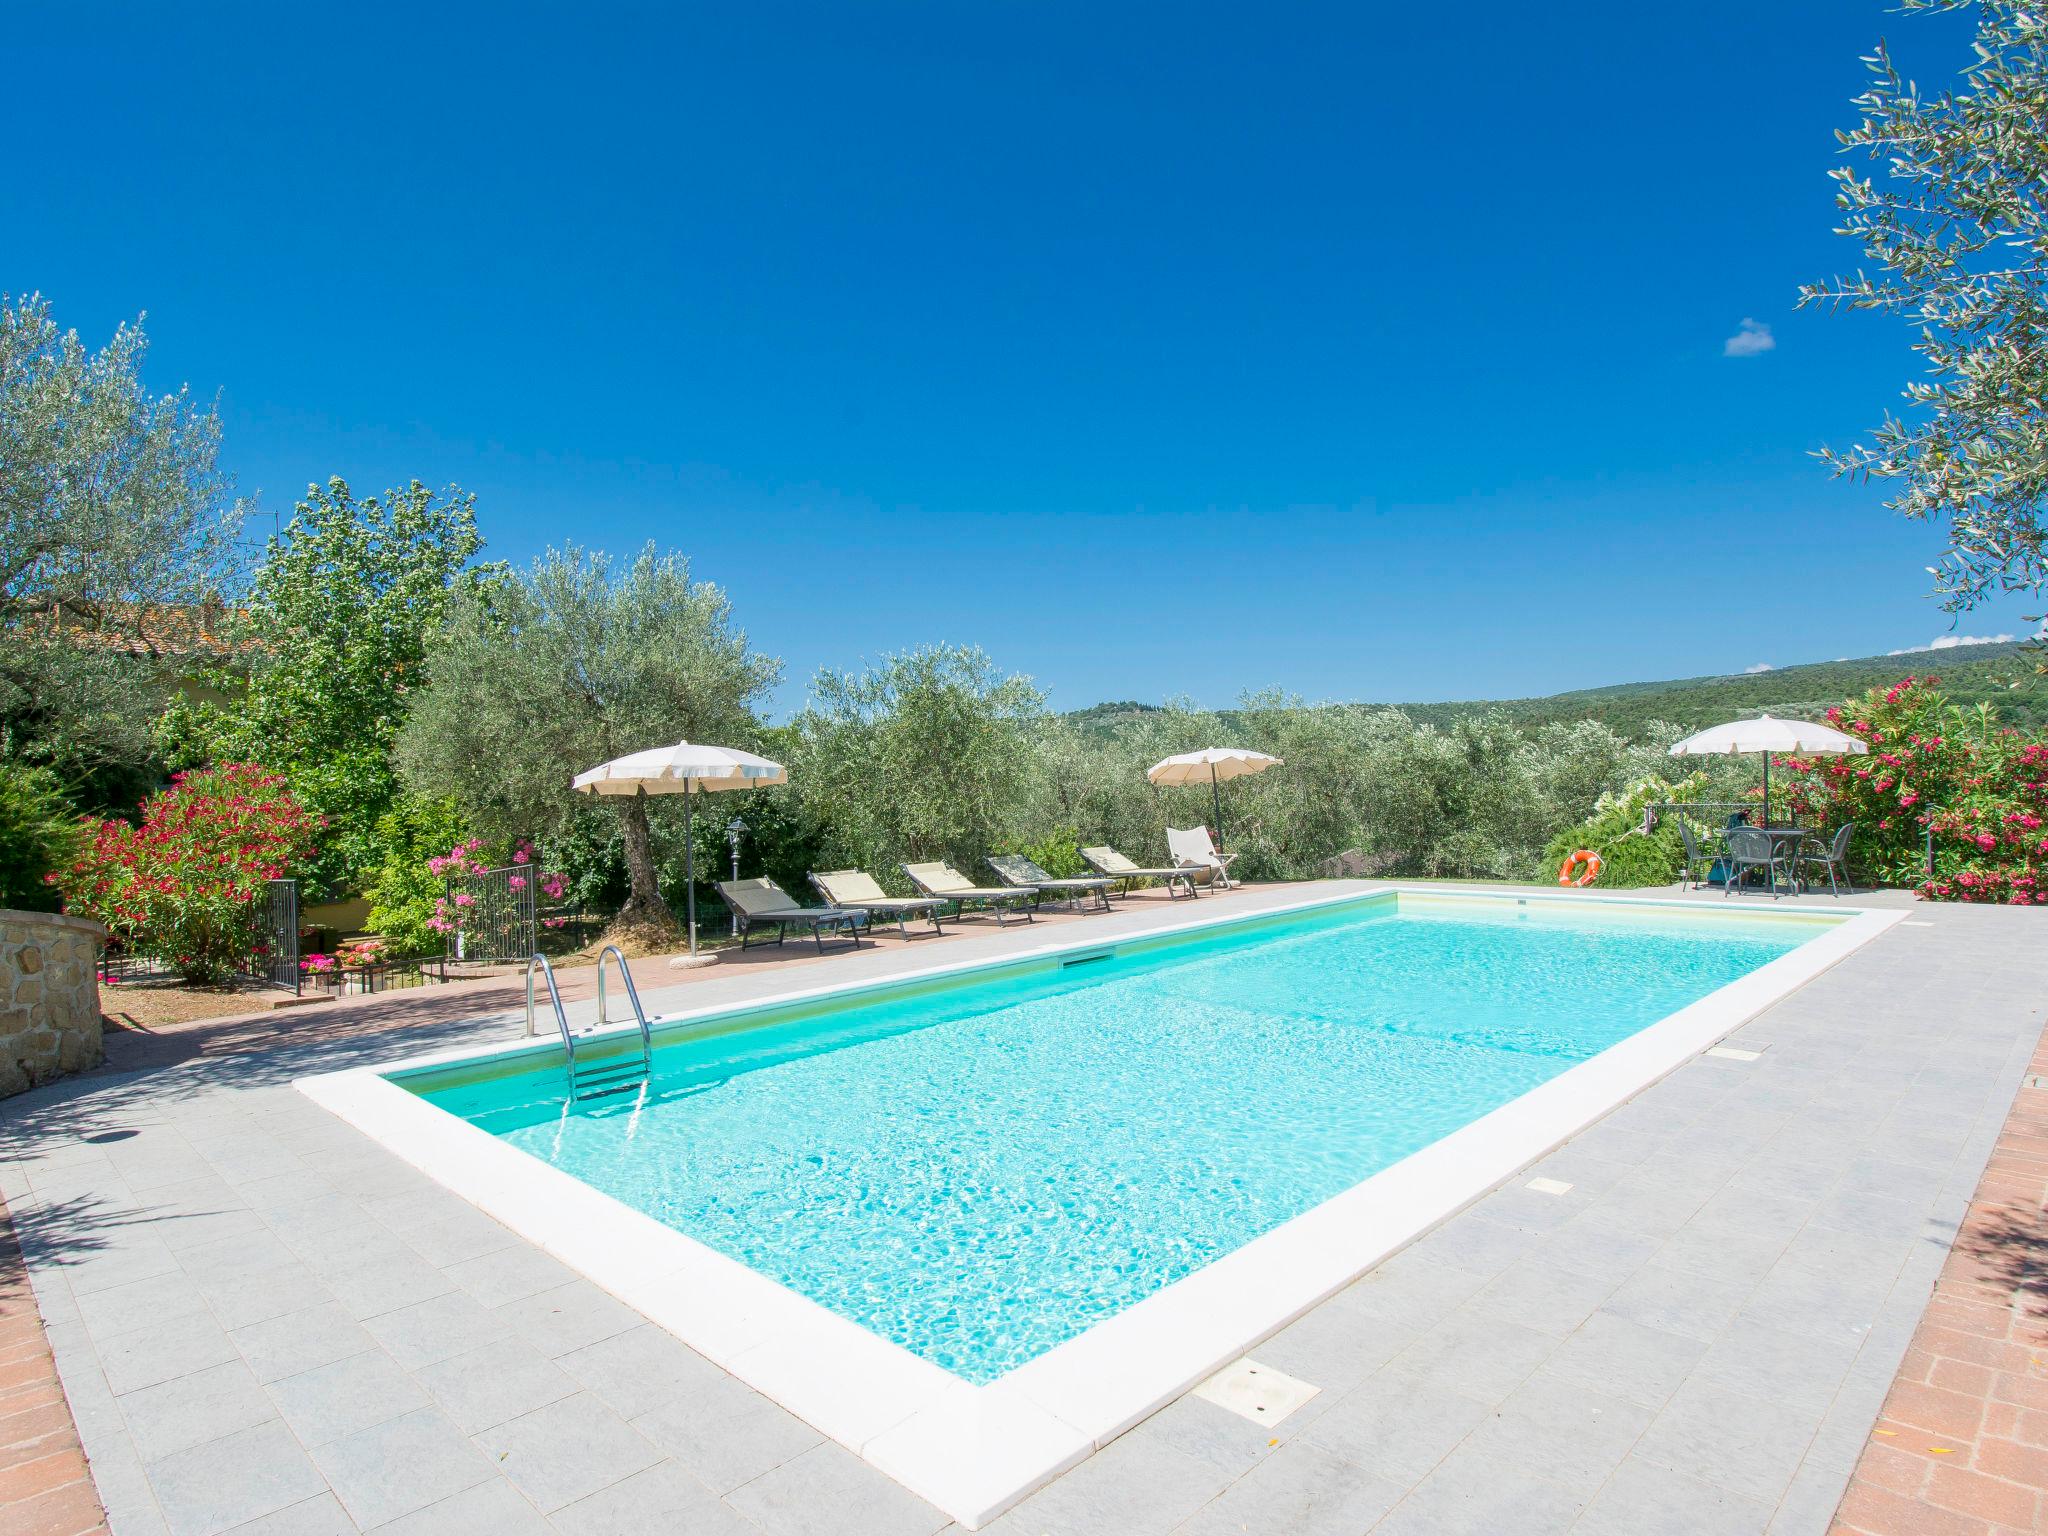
[
  {"x": 69, "y": 1230},
  {"x": 2011, "y": 1244},
  {"x": 145, "y": 1073}
]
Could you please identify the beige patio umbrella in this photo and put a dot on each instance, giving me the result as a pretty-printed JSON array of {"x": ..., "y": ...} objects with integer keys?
[
  {"x": 1211, "y": 765},
  {"x": 1766, "y": 734},
  {"x": 682, "y": 769}
]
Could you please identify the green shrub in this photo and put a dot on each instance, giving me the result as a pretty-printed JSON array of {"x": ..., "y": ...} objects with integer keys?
[
  {"x": 39, "y": 834},
  {"x": 183, "y": 887},
  {"x": 1059, "y": 855},
  {"x": 404, "y": 890},
  {"x": 1629, "y": 857}
]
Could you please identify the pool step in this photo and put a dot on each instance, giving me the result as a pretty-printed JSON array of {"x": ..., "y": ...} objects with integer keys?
[
  {"x": 623, "y": 1075},
  {"x": 608, "y": 1074}
]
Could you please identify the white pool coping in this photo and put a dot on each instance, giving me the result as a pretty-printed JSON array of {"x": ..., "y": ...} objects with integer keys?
[{"x": 975, "y": 1450}]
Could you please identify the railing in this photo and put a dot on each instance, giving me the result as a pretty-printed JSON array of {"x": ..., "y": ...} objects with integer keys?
[
  {"x": 561, "y": 1018},
  {"x": 497, "y": 914},
  {"x": 632, "y": 994},
  {"x": 378, "y": 976},
  {"x": 1709, "y": 814},
  {"x": 608, "y": 1074},
  {"x": 274, "y": 946}
]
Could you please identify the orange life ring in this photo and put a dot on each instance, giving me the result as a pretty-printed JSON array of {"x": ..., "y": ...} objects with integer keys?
[{"x": 1585, "y": 856}]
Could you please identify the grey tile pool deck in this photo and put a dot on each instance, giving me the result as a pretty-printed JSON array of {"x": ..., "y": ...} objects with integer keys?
[{"x": 266, "y": 1323}]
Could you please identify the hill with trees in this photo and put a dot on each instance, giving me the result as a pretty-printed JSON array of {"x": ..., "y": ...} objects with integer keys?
[{"x": 2002, "y": 675}]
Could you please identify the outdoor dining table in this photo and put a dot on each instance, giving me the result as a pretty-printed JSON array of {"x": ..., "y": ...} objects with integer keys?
[{"x": 1783, "y": 840}]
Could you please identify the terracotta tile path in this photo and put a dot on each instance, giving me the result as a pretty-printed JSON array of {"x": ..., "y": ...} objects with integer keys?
[
  {"x": 1961, "y": 1448},
  {"x": 45, "y": 1489}
]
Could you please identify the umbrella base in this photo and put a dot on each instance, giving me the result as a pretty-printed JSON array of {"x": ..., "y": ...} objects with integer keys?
[{"x": 692, "y": 962}]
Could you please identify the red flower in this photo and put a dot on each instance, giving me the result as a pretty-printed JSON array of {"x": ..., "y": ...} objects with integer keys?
[{"x": 182, "y": 885}]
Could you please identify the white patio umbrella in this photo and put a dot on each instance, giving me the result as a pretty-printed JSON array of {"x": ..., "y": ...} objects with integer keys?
[
  {"x": 1766, "y": 734},
  {"x": 1211, "y": 765},
  {"x": 682, "y": 769}
]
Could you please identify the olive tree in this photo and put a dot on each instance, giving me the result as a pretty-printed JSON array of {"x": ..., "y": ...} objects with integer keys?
[
  {"x": 340, "y": 615},
  {"x": 112, "y": 506},
  {"x": 1956, "y": 224},
  {"x": 927, "y": 755},
  {"x": 571, "y": 664}
]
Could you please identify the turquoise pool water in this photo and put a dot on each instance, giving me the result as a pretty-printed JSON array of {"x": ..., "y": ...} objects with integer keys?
[{"x": 981, "y": 1170}]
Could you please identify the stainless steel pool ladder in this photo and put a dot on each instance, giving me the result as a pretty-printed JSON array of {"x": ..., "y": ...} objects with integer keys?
[{"x": 607, "y": 1074}]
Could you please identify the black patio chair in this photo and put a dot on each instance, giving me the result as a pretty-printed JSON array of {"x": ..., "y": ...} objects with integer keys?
[
  {"x": 1748, "y": 849},
  {"x": 1695, "y": 856},
  {"x": 1833, "y": 856}
]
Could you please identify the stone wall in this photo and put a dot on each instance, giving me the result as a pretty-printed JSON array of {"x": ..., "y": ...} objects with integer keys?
[{"x": 49, "y": 997}]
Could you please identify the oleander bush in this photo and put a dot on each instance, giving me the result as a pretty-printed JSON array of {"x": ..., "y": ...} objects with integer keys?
[
  {"x": 183, "y": 886},
  {"x": 1934, "y": 778}
]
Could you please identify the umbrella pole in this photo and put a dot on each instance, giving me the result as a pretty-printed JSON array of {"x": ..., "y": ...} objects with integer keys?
[
  {"x": 1216, "y": 803},
  {"x": 690, "y": 864},
  {"x": 1767, "y": 786}
]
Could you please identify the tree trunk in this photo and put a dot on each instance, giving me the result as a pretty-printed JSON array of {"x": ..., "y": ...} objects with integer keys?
[{"x": 644, "y": 906}]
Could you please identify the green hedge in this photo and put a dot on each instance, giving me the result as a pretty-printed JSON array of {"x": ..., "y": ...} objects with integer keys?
[
  {"x": 38, "y": 834},
  {"x": 1628, "y": 856}
]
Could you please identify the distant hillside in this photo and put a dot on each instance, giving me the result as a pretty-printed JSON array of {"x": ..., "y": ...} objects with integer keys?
[{"x": 1969, "y": 674}]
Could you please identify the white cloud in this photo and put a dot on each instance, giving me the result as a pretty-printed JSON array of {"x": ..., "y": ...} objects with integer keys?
[
  {"x": 1762, "y": 666},
  {"x": 1950, "y": 642},
  {"x": 1752, "y": 337}
]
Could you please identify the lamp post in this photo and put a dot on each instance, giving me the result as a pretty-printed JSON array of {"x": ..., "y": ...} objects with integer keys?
[{"x": 734, "y": 831}]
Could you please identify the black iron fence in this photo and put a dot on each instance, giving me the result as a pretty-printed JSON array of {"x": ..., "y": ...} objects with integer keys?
[
  {"x": 274, "y": 947},
  {"x": 339, "y": 978},
  {"x": 494, "y": 914},
  {"x": 1707, "y": 815}
]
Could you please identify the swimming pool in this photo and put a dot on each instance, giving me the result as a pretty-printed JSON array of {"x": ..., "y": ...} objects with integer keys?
[
  {"x": 981, "y": 1171},
  {"x": 975, "y": 1222}
]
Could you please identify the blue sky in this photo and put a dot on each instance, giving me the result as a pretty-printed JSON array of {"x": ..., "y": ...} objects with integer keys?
[{"x": 1367, "y": 351}]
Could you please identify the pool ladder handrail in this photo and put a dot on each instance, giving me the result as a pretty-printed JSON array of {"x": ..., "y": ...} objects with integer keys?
[{"x": 608, "y": 1074}]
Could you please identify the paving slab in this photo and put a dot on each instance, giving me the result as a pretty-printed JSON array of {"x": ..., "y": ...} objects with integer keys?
[{"x": 263, "y": 1321}]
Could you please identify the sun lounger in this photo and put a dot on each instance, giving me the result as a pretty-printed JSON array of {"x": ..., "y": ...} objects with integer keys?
[
  {"x": 1192, "y": 848},
  {"x": 856, "y": 891},
  {"x": 944, "y": 881},
  {"x": 762, "y": 903},
  {"x": 1107, "y": 861},
  {"x": 1015, "y": 869}
]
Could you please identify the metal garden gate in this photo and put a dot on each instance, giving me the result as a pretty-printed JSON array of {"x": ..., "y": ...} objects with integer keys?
[
  {"x": 274, "y": 946},
  {"x": 496, "y": 921}
]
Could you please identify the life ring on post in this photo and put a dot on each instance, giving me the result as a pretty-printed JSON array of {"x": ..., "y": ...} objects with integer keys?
[{"x": 1570, "y": 868}]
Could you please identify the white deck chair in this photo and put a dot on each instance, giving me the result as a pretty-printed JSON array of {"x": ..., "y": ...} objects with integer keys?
[{"x": 1193, "y": 848}]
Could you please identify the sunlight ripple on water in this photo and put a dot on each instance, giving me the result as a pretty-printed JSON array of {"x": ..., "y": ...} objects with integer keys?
[{"x": 983, "y": 1172}]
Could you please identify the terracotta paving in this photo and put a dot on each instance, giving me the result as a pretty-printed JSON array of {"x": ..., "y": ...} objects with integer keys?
[
  {"x": 1961, "y": 1448},
  {"x": 45, "y": 1489},
  {"x": 337, "y": 1019}
]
